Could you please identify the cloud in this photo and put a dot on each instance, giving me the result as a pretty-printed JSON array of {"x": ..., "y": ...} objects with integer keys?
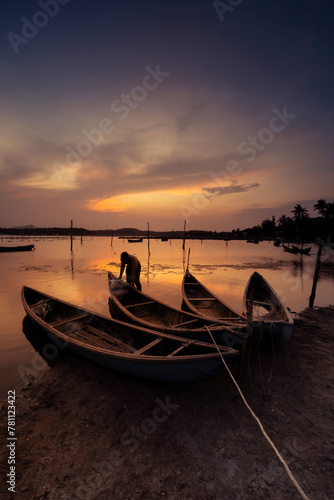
[
  {"x": 185, "y": 120},
  {"x": 234, "y": 187}
]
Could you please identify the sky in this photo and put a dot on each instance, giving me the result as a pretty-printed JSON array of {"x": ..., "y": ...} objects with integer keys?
[{"x": 116, "y": 114}]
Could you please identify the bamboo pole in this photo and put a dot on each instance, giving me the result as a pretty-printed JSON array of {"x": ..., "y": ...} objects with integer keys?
[
  {"x": 315, "y": 277},
  {"x": 148, "y": 238},
  {"x": 184, "y": 234}
]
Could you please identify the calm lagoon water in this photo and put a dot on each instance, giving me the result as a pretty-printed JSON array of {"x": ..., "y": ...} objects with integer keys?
[{"x": 81, "y": 278}]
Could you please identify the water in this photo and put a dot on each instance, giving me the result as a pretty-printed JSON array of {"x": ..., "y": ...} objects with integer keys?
[{"x": 80, "y": 277}]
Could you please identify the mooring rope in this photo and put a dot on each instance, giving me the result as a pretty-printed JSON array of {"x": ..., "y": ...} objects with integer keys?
[{"x": 281, "y": 459}]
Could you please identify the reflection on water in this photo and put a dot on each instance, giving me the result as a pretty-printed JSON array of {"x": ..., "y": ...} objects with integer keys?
[
  {"x": 81, "y": 277},
  {"x": 48, "y": 350}
]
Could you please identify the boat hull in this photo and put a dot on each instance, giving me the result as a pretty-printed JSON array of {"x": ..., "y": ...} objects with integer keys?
[
  {"x": 122, "y": 347},
  {"x": 268, "y": 316},
  {"x": 303, "y": 251},
  {"x": 176, "y": 373},
  {"x": 22, "y": 248},
  {"x": 198, "y": 299},
  {"x": 138, "y": 308}
]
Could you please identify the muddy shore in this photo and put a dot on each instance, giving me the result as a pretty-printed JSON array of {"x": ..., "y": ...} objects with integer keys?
[{"x": 86, "y": 433}]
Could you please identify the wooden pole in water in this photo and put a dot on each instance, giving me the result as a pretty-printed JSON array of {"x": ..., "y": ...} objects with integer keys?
[
  {"x": 184, "y": 234},
  {"x": 315, "y": 277},
  {"x": 71, "y": 235},
  {"x": 112, "y": 236},
  {"x": 148, "y": 237}
]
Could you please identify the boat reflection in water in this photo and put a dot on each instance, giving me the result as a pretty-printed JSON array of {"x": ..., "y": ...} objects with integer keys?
[{"x": 51, "y": 353}]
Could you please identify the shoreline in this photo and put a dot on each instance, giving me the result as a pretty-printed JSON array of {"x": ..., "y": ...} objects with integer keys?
[{"x": 85, "y": 432}]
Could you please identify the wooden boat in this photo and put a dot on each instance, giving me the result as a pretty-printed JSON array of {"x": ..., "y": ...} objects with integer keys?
[
  {"x": 136, "y": 307},
  {"x": 197, "y": 299},
  {"x": 304, "y": 251},
  {"x": 122, "y": 347},
  {"x": 289, "y": 249},
  {"x": 164, "y": 239},
  {"x": 135, "y": 240},
  {"x": 267, "y": 312},
  {"x": 22, "y": 248},
  {"x": 253, "y": 241}
]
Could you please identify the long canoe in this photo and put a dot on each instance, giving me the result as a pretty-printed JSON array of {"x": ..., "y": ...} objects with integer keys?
[
  {"x": 198, "y": 299},
  {"x": 289, "y": 249},
  {"x": 130, "y": 305},
  {"x": 22, "y": 248},
  {"x": 267, "y": 312},
  {"x": 304, "y": 251},
  {"x": 122, "y": 347},
  {"x": 135, "y": 240}
]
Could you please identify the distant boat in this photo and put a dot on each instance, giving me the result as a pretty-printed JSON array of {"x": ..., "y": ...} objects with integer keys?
[
  {"x": 136, "y": 307},
  {"x": 289, "y": 249},
  {"x": 304, "y": 251},
  {"x": 267, "y": 311},
  {"x": 22, "y": 248},
  {"x": 164, "y": 239},
  {"x": 125, "y": 348},
  {"x": 198, "y": 299},
  {"x": 135, "y": 240},
  {"x": 253, "y": 241}
]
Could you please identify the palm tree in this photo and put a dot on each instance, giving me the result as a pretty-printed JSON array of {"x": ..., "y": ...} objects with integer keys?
[
  {"x": 285, "y": 224},
  {"x": 321, "y": 206},
  {"x": 300, "y": 213},
  {"x": 282, "y": 221},
  {"x": 300, "y": 216}
]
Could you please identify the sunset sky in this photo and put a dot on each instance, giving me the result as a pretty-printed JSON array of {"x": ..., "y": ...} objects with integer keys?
[{"x": 115, "y": 114}]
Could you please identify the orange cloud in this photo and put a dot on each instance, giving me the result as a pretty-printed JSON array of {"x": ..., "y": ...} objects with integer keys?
[{"x": 113, "y": 204}]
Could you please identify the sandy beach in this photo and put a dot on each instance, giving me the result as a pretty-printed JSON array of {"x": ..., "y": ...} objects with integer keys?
[{"x": 84, "y": 432}]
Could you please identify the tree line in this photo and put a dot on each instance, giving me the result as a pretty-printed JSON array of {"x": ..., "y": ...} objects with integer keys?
[{"x": 299, "y": 226}]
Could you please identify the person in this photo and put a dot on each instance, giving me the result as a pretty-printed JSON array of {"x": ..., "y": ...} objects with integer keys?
[{"x": 133, "y": 268}]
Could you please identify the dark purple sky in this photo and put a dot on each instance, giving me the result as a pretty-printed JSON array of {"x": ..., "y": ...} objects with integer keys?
[{"x": 116, "y": 115}]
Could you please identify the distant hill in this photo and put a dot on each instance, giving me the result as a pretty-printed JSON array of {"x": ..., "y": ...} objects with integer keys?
[{"x": 30, "y": 226}]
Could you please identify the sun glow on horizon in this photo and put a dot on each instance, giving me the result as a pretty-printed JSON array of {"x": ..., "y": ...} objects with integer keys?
[{"x": 170, "y": 199}]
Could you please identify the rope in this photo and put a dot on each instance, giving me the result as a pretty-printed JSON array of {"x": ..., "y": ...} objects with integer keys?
[{"x": 281, "y": 459}]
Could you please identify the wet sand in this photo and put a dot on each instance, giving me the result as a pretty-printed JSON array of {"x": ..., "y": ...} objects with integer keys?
[{"x": 87, "y": 433}]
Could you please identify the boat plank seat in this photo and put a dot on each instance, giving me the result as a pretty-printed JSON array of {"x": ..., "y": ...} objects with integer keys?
[
  {"x": 140, "y": 304},
  {"x": 202, "y": 298},
  {"x": 148, "y": 346},
  {"x": 184, "y": 344},
  {"x": 82, "y": 334},
  {"x": 71, "y": 318},
  {"x": 184, "y": 323},
  {"x": 259, "y": 303},
  {"x": 108, "y": 337},
  {"x": 41, "y": 302}
]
